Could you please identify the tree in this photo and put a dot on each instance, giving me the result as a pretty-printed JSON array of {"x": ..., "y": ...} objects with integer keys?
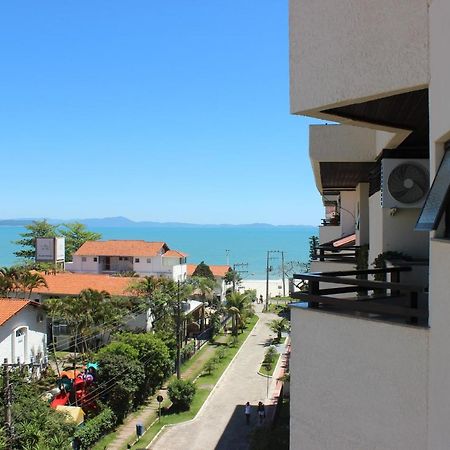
[
  {"x": 155, "y": 357},
  {"x": 36, "y": 229},
  {"x": 239, "y": 306},
  {"x": 278, "y": 326},
  {"x": 30, "y": 280},
  {"x": 181, "y": 394},
  {"x": 37, "y": 425},
  {"x": 232, "y": 277},
  {"x": 203, "y": 288},
  {"x": 203, "y": 270},
  {"x": 120, "y": 376},
  {"x": 76, "y": 235}
]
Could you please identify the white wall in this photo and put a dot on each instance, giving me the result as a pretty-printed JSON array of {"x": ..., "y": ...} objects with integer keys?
[
  {"x": 355, "y": 49},
  {"x": 395, "y": 233},
  {"x": 357, "y": 384},
  {"x": 347, "y": 210},
  {"x": 88, "y": 266},
  {"x": 36, "y": 336}
]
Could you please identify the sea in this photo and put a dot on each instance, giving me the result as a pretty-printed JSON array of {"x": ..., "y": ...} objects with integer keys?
[{"x": 243, "y": 246}]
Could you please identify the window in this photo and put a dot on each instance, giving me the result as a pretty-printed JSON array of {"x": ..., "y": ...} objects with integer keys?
[
  {"x": 149, "y": 260},
  {"x": 437, "y": 199},
  {"x": 120, "y": 258},
  {"x": 95, "y": 259},
  {"x": 136, "y": 260},
  {"x": 83, "y": 258}
]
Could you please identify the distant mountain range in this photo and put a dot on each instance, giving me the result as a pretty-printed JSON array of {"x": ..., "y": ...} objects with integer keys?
[{"x": 123, "y": 222}]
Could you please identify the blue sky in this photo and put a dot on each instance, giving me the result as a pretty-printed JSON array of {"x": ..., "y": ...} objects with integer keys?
[{"x": 155, "y": 110}]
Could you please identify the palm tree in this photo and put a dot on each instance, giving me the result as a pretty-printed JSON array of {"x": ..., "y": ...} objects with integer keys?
[
  {"x": 203, "y": 288},
  {"x": 239, "y": 305},
  {"x": 10, "y": 280},
  {"x": 30, "y": 280},
  {"x": 278, "y": 326}
]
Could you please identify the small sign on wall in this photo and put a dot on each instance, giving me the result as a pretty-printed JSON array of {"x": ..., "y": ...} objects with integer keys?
[{"x": 50, "y": 249}]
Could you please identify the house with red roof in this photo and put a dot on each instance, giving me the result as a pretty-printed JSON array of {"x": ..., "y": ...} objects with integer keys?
[
  {"x": 219, "y": 273},
  {"x": 121, "y": 256},
  {"x": 23, "y": 331}
]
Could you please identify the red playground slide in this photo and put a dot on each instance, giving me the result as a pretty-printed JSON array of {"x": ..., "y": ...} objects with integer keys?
[{"x": 61, "y": 399}]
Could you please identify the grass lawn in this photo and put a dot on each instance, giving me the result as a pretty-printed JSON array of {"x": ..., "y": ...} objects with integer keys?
[
  {"x": 205, "y": 384},
  {"x": 264, "y": 370}
]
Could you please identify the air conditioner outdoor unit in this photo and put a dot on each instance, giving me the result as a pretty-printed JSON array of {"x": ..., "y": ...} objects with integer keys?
[{"x": 404, "y": 182}]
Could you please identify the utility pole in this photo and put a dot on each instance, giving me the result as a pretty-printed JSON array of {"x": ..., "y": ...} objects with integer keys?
[
  {"x": 227, "y": 252},
  {"x": 7, "y": 395},
  {"x": 267, "y": 280},
  {"x": 178, "y": 331},
  {"x": 283, "y": 274},
  {"x": 239, "y": 271}
]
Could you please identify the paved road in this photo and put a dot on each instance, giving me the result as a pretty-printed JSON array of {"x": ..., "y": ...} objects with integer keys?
[{"x": 221, "y": 424}]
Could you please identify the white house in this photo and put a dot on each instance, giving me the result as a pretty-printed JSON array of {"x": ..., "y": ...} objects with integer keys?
[
  {"x": 23, "y": 331},
  {"x": 370, "y": 360},
  {"x": 115, "y": 256}
]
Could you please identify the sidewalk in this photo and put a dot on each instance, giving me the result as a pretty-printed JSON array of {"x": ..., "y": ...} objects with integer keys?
[
  {"x": 220, "y": 424},
  {"x": 126, "y": 432}
]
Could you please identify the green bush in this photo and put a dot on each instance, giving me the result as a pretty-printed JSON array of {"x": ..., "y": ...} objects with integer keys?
[
  {"x": 89, "y": 433},
  {"x": 221, "y": 353},
  {"x": 181, "y": 394},
  {"x": 210, "y": 365}
]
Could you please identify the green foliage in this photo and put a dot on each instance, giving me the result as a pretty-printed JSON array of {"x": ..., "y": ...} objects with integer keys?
[
  {"x": 76, "y": 235},
  {"x": 270, "y": 357},
  {"x": 37, "y": 425},
  {"x": 121, "y": 375},
  {"x": 232, "y": 277},
  {"x": 313, "y": 243},
  {"x": 380, "y": 262},
  {"x": 203, "y": 270},
  {"x": 92, "y": 430},
  {"x": 210, "y": 366},
  {"x": 239, "y": 306},
  {"x": 38, "y": 228},
  {"x": 221, "y": 353},
  {"x": 181, "y": 393},
  {"x": 155, "y": 357},
  {"x": 118, "y": 348},
  {"x": 278, "y": 326}
]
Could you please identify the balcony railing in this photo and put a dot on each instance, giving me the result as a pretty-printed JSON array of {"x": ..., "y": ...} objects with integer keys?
[
  {"x": 391, "y": 301},
  {"x": 330, "y": 253},
  {"x": 335, "y": 221}
]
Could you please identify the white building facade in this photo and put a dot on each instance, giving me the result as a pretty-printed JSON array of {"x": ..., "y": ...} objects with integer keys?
[
  {"x": 23, "y": 332},
  {"x": 370, "y": 362},
  {"x": 122, "y": 256}
]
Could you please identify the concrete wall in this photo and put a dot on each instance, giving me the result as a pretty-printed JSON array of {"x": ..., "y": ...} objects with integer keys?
[
  {"x": 88, "y": 266},
  {"x": 35, "y": 337},
  {"x": 439, "y": 95},
  {"x": 357, "y": 384},
  {"x": 329, "y": 233},
  {"x": 347, "y": 210},
  {"x": 394, "y": 233},
  {"x": 355, "y": 49}
]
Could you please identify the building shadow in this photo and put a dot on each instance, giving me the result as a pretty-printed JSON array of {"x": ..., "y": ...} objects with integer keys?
[{"x": 237, "y": 433}]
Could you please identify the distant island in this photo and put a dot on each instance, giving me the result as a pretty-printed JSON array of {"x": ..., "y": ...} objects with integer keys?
[{"x": 123, "y": 222}]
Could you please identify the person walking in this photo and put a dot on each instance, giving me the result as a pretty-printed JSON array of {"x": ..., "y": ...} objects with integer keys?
[
  {"x": 248, "y": 411},
  {"x": 261, "y": 412}
]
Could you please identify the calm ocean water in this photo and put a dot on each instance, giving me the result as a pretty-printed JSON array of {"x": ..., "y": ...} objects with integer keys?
[{"x": 209, "y": 244}]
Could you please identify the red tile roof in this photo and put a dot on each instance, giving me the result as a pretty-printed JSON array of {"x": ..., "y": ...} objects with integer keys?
[
  {"x": 10, "y": 307},
  {"x": 73, "y": 283},
  {"x": 218, "y": 271},
  {"x": 121, "y": 248},
  {"x": 175, "y": 254}
]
